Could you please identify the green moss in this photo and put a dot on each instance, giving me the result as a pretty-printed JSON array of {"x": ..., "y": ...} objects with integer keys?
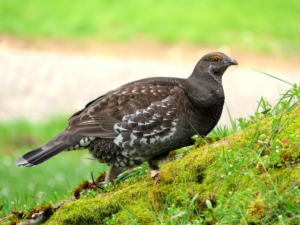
[{"x": 242, "y": 174}]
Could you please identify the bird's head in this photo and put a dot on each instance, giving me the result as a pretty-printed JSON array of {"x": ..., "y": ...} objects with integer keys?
[
  {"x": 204, "y": 85},
  {"x": 214, "y": 63}
]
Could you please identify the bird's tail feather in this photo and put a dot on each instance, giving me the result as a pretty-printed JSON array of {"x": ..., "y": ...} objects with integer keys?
[
  {"x": 39, "y": 155},
  {"x": 59, "y": 143}
]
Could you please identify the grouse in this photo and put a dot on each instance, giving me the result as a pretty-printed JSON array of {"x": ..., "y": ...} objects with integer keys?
[{"x": 144, "y": 120}]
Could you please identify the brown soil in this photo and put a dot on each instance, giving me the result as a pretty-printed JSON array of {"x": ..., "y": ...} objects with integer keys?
[{"x": 40, "y": 78}]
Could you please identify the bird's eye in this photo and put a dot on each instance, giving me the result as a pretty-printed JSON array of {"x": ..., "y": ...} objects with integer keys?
[{"x": 216, "y": 58}]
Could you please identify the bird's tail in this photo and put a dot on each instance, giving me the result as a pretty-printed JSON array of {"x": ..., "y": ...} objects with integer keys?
[{"x": 65, "y": 140}]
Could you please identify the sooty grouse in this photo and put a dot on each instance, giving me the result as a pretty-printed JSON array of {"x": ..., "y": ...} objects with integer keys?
[{"x": 143, "y": 120}]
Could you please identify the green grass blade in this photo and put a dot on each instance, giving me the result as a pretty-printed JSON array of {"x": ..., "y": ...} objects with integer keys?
[
  {"x": 273, "y": 76},
  {"x": 232, "y": 121}
]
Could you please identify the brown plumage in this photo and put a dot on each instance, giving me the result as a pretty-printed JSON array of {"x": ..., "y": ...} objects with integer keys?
[{"x": 143, "y": 120}]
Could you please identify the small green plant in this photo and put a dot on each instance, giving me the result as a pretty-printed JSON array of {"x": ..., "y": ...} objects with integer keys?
[
  {"x": 242, "y": 123},
  {"x": 218, "y": 133},
  {"x": 138, "y": 171},
  {"x": 113, "y": 220},
  {"x": 265, "y": 106},
  {"x": 89, "y": 194}
]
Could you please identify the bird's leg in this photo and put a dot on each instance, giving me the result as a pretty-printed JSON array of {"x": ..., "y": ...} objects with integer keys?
[
  {"x": 113, "y": 173},
  {"x": 153, "y": 165}
]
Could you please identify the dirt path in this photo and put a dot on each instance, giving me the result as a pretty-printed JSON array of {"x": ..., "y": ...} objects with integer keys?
[{"x": 44, "y": 78}]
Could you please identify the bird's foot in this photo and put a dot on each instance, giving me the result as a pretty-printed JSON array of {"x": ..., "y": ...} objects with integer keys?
[{"x": 154, "y": 174}]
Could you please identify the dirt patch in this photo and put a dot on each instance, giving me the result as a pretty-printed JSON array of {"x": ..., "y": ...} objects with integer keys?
[{"x": 143, "y": 48}]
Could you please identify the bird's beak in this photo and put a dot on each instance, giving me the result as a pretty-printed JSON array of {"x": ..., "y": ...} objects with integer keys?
[{"x": 233, "y": 62}]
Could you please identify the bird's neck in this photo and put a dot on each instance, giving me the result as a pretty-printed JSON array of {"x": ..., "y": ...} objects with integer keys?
[{"x": 205, "y": 90}]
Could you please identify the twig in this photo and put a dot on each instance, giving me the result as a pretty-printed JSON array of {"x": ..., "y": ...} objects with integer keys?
[
  {"x": 215, "y": 189},
  {"x": 38, "y": 217},
  {"x": 6, "y": 217},
  {"x": 95, "y": 182}
]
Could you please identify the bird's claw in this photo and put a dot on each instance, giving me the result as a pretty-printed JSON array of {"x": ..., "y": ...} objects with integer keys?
[{"x": 154, "y": 174}]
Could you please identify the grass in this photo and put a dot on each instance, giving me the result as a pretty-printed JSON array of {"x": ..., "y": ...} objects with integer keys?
[{"x": 264, "y": 26}]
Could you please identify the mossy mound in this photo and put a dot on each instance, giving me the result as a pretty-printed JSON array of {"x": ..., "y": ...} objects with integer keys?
[{"x": 250, "y": 177}]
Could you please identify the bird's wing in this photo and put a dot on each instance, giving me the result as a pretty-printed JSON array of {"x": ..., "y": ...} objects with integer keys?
[
  {"x": 99, "y": 117},
  {"x": 138, "y": 108}
]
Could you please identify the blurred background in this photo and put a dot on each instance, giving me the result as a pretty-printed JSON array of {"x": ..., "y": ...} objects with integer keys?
[{"x": 56, "y": 56}]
